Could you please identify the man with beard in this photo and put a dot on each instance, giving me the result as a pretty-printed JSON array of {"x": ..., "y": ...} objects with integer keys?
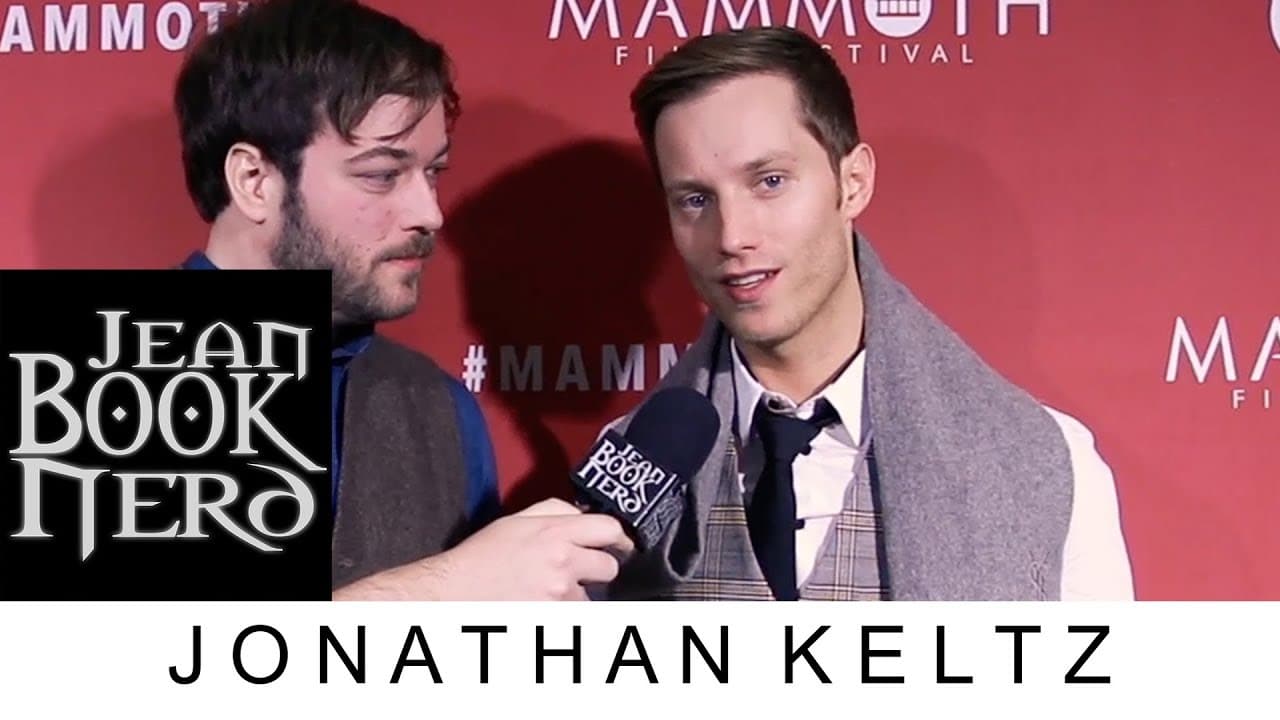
[{"x": 314, "y": 133}]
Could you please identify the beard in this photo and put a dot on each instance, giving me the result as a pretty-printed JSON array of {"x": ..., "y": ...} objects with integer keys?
[{"x": 357, "y": 297}]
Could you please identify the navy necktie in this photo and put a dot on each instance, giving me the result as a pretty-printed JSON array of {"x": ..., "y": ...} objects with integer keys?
[{"x": 771, "y": 517}]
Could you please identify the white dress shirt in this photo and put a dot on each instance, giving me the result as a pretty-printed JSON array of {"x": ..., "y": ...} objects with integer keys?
[{"x": 1095, "y": 564}]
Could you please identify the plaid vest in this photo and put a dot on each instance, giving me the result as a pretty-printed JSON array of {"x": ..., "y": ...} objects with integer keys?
[{"x": 849, "y": 564}]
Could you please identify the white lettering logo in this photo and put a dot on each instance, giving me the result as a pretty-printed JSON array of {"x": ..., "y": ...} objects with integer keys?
[
  {"x": 110, "y": 26},
  {"x": 1216, "y": 349},
  {"x": 620, "y": 473},
  {"x": 134, "y": 414},
  {"x": 898, "y": 18},
  {"x": 870, "y": 31},
  {"x": 1275, "y": 22}
]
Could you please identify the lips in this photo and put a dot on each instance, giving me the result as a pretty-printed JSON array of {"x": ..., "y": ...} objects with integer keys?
[
  {"x": 748, "y": 287},
  {"x": 409, "y": 255},
  {"x": 406, "y": 263}
]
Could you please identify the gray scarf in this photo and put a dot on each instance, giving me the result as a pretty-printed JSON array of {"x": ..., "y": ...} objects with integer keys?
[{"x": 975, "y": 476}]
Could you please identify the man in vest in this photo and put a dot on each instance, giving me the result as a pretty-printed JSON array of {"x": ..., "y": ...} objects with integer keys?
[
  {"x": 314, "y": 133},
  {"x": 865, "y": 452}
]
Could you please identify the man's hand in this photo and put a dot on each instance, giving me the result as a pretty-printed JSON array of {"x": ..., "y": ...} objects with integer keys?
[{"x": 546, "y": 552}]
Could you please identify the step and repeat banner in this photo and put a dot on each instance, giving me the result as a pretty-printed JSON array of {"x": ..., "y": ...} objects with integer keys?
[{"x": 1084, "y": 189}]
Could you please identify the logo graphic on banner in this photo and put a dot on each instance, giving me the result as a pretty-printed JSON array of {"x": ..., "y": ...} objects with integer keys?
[
  {"x": 166, "y": 435},
  {"x": 1275, "y": 22},
  {"x": 109, "y": 27},
  {"x": 1226, "y": 356},
  {"x": 898, "y": 18},
  {"x": 568, "y": 368},
  {"x": 883, "y": 32}
]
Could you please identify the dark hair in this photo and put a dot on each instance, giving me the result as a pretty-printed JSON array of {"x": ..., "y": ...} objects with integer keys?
[
  {"x": 278, "y": 71},
  {"x": 826, "y": 102}
]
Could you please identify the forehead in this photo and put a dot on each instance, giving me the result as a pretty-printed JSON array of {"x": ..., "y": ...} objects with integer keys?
[
  {"x": 391, "y": 121},
  {"x": 732, "y": 122}
]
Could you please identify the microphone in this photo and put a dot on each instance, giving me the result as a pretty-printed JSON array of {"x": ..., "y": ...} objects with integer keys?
[{"x": 641, "y": 478}]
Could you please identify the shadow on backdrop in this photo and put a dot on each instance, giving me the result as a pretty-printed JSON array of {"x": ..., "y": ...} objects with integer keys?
[
  {"x": 965, "y": 249},
  {"x": 118, "y": 201},
  {"x": 562, "y": 249},
  {"x": 963, "y": 244}
]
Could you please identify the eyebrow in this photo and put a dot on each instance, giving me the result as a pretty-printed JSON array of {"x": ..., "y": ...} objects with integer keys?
[
  {"x": 683, "y": 186},
  {"x": 380, "y": 151},
  {"x": 397, "y": 154},
  {"x": 751, "y": 167},
  {"x": 764, "y": 161}
]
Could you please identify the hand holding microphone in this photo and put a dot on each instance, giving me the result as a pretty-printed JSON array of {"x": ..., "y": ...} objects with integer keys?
[
  {"x": 633, "y": 488},
  {"x": 547, "y": 551}
]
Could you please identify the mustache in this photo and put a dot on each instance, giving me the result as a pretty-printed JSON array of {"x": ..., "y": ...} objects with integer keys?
[{"x": 420, "y": 246}]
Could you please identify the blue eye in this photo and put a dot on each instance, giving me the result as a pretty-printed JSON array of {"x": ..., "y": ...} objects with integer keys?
[
  {"x": 773, "y": 182},
  {"x": 696, "y": 201}
]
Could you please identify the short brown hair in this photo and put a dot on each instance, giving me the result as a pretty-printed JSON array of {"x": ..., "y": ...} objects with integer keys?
[
  {"x": 278, "y": 71},
  {"x": 826, "y": 103}
]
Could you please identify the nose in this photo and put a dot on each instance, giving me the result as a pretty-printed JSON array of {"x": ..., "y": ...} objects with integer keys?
[
  {"x": 736, "y": 227},
  {"x": 422, "y": 211}
]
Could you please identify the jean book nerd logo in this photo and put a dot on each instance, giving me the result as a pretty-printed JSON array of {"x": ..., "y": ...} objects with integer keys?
[
  {"x": 166, "y": 417},
  {"x": 621, "y": 476}
]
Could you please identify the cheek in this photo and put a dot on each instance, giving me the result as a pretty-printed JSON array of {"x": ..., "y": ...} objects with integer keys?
[
  {"x": 370, "y": 224},
  {"x": 811, "y": 224},
  {"x": 690, "y": 242},
  {"x": 361, "y": 232},
  {"x": 353, "y": 217}
]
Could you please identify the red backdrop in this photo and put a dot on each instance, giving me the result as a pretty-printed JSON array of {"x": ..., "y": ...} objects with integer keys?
[{"x": 1061, "y": 180}]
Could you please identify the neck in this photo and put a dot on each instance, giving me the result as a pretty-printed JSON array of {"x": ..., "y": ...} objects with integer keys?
[
  {"x": 236, "y": 244},
  {"x": 801, "y": 366}
]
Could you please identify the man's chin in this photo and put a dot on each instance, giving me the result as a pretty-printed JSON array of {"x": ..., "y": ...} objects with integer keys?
[
  {"x": 397, "y": 310},
  {"x": 752, "y": 331},
  {"x": 386, "y": 310}
]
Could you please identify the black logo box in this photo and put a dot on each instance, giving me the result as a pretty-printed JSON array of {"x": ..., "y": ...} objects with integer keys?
[{"x": 59, "y": 312}]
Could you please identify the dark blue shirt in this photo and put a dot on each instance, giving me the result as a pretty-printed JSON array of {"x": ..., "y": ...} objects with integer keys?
[{"x": 482, "y": 473}]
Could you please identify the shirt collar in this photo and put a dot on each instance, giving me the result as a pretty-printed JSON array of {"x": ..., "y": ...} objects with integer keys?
[
  {"x": 351, "y": 340},
  {"x": 198, "y": 261},
  {"x": 844, "y": 393}
]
